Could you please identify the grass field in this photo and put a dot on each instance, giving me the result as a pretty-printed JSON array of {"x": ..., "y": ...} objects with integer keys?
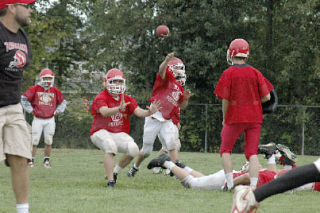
[{"x": 76, "y": 184}]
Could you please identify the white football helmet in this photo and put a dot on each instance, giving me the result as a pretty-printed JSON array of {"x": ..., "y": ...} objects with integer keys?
[
  {"x": 177, "y": 67},
  {"x": 115, "y": 81},
  {"x": 46, "y": 77}
]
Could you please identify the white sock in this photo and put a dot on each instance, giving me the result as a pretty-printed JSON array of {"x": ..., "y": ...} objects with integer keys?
[
  {"x": 117, "y": 169},
  {"x": 272, "y": 159},
  {"x": 188, "y": 169},
  {"x": 287, "y": 166},
  {"x": 253, "y": 181},
  {"x": 169, "y": 164},
  {"x": 229, "y": 179},
  {"x": 134, "y": 165},
  {"x": 23, "y": 208}
]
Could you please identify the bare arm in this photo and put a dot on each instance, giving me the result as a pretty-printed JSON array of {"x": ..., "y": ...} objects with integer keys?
[
  {"x": 106, "y": 111},
  {"x": 155, "y": 106},
  {"x": 225, "y": 105},
  {"x": 185, "y": 102},
  {"x": 242, "y": 180},
  {"x": 163, "y": 65},
  {"x": 266, "y": 98}
]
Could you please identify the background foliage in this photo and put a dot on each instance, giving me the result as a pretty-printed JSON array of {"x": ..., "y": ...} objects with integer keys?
[{"x": 78, "y": 39}]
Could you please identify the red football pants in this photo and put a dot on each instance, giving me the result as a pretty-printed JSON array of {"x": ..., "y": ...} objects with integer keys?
[{"x": 231, "y": 132}]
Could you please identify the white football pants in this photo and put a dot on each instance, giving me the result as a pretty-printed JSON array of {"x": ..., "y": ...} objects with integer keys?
[{"x": 47, "y": 125}]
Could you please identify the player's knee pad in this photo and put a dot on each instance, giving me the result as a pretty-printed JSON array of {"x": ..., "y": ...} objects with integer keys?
[
  {"x": 35, "y": 139},
  {"x": 178, "y": 145},
  {"x": 48, "y": 139},
  {"x": 103, "y": 142},
  {"x": 133, "y": 149},
  {"x": 146, "y": 149}
]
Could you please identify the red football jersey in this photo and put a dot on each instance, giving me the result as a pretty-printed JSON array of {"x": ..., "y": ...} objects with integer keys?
[
  {"x": 316, "y": 186},
  {"x": 243, "y": 86},
  {"x": 119, "y": 122},
  {"x": 169, "y": 92},
  {"x": 44, "y": 102},
  {"x": 265, "y": 176},
  {"x": 176, "y": 116}
]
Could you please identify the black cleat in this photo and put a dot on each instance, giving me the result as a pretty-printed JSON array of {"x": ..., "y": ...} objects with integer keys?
[
  {"x": 158, "y": 161},
  {"x": 180, "y": 164},
  {"x": 111, "y": 184},
  {"x": 132, "y": 172},
  {"x": 267, "y": 149},
  {"x": 115, "y": 177}
]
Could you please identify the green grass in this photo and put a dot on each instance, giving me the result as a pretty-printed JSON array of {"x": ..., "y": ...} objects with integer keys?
[{"x": 75, "y": 183}]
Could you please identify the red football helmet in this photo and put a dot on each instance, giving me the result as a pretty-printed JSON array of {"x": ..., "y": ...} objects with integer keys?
[
  {"x": 238, "y": 47},
  {"x": 115, "y": 81},
  {"x": 46, "y": 77},
  {"x": 177, "y": 67}
]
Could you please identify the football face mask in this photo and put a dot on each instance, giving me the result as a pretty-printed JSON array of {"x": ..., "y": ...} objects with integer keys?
[
  {"x": 115, "y": 82},
  {"x": 46, "y": 77},
  {"x": 177, "y": 68}
]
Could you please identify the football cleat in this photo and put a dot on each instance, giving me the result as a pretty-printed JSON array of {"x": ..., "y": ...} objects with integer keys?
[
  {"x": 267, "y": 149},
  {"x": 157, "y": 170},
  {"x": 244, "y": 200},
  {"x": 47, "y": 164},
  {"x": 180, "y": 164},
  {"x": 132, "y": 172},
  {"x": 245, "y": 167},
  {"x": 158, "y": 161},
  {"x": 288, "y": 157},
  {"x": 115, "y": 177},
  {"x": 31, "y": 164},
  {"x": 111, "y": 184}
]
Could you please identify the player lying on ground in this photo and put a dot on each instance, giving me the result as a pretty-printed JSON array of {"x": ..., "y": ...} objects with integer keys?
[
  {"x": 196, "y": 180},
  {"x": 245, "y": 199}
]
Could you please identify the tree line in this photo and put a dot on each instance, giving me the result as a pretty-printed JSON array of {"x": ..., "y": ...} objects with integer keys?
[{"x": 283, "y": 35}]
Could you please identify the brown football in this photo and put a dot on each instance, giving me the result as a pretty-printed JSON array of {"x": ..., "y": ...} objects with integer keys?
[{"x": 162, "y": 31}]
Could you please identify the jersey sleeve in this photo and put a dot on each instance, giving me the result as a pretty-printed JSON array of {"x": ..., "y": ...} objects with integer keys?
[
  {"x": 60, "y": 97},
  {"x": 264, "y": 85},
  {"x": 29, "y": 93},
  {"x": 222, "y": 90},
  {"x": 133, "y": 105},
  {"x": 98, "y": 102}
]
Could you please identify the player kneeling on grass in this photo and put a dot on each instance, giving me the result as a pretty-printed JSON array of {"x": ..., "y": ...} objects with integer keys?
[
  {"x": 111, "y": 125},
  {"x": 44, "y": 101}
]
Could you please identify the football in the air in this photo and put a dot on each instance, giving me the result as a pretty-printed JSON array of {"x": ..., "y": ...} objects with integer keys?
[{"x": 162, "y": 31}]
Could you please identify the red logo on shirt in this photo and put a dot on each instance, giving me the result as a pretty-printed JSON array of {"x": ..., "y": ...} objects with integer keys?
[
  {"x": 45, "y": 98},
  {"x": 19, "y": 60}
]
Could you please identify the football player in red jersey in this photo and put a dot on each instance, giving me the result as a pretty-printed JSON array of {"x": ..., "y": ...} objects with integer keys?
[
  {"x": 15, "y": 56},
  {"x": 168, "y": 90},
  {"x": 111, "y": 125},
  {"x": 242, "y": 89},
  {"x": 44, "y": 101}
]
